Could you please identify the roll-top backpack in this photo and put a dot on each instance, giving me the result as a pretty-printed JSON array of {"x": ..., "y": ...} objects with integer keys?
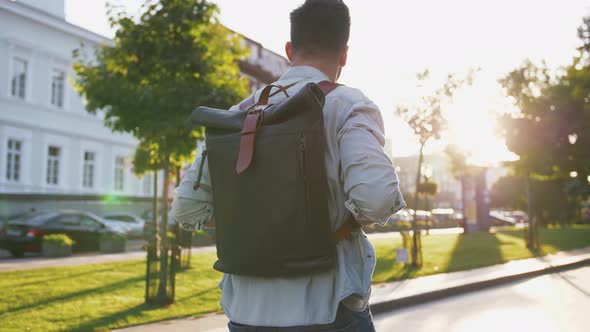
[{"x": 268, "y": 177}]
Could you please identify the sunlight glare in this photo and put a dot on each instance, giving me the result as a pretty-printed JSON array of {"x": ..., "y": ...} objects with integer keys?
[{"x": 472, "y": 124}]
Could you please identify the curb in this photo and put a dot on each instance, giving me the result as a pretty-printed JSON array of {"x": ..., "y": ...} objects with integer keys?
[{"x": 404, "y": 302}]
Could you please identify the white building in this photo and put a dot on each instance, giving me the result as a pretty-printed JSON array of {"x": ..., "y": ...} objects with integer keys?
[{"x": 49, "y": 144}]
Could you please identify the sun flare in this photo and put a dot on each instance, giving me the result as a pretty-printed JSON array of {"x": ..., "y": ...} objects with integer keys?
[{"x": 472, "y": 125}]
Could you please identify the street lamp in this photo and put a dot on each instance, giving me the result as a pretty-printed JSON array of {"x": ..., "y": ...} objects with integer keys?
[{"x": 573, "y": 174}]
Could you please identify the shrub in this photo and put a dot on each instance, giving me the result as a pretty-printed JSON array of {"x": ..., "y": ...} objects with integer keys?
[
  {"x": 201, "y": 233},
  {"x": 60, "y": 240},
  {"x": 424, "y": 224}
]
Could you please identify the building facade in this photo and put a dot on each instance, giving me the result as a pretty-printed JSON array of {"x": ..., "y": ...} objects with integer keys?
[{"x": 49, "y": 144}]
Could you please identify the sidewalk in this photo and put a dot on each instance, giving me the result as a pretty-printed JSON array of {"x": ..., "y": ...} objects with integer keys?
[
  {"x": 389, "y": 296},
  {"x": 13, "y": 264}
]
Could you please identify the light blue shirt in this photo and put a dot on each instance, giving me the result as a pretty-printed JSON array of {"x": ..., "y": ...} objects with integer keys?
[{"x": 362, "y": 182}]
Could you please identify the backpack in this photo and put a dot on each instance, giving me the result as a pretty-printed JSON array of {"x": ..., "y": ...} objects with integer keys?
[{"x": 269, "y": 185}]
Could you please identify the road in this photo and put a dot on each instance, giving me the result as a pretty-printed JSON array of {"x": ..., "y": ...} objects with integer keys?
[{"x": 551, "y": 303}]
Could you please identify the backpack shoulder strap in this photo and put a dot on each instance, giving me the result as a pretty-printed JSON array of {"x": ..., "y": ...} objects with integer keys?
[{"x": 325, "y": 86}]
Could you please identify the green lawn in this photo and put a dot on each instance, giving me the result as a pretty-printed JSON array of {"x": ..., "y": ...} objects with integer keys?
[
  {"x": 447, "y": 253},
  {"x": 102, "y": 296}
]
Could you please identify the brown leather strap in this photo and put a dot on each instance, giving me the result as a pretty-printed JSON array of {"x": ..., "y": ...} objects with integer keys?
[
  {"x": 251, "y": 101},
  {"x": 247, "y": 141},
  {"x": 344, "y": 232},
  {"x": 252, "y": 121}
]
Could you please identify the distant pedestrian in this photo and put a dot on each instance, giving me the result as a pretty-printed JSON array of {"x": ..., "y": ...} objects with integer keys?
[{"x": 362, "y": 189}]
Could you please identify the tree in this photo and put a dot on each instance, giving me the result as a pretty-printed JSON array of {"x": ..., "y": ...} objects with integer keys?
[
  {"x": 529, "y": 134},
  {"x": 427, "y": 121},
  {"x": 174, "y": 57},
  {"x": 509, "y": 193}
]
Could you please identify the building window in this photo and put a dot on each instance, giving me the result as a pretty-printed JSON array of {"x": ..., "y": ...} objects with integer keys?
[
  {"x": 88, "y": 170},
  {"x": 58, "y": 78},
  {"x": 53, "y": 156},
  {"x": 19, "y": 78},
  {"x": 119, "y": 173},
  {"x": 13, "y": 159}
]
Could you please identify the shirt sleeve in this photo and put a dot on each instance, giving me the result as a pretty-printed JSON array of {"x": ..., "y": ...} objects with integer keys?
[
  {"x": 368, "y": 175},
  {"x": 193, "y": 208}
]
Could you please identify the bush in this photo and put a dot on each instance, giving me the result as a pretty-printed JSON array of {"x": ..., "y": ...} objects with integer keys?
[
  {"x": 422, "y": 224},
  {"x": 113, "y": 237},
  {"x": 201, "y": 233},
  {"x": 61, "y": 240}
]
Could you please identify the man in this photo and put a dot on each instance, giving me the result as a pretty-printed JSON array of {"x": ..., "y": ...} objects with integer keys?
[{"x": 362, "y": 183}]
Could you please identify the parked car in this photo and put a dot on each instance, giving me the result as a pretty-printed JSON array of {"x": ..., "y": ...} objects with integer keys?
[
  {"x": 443, "y": 215},
  {"x": 133, "y": 223},
  {"x": 25, "y": 234},
  {"x": 420, "y": 214},
  {"x": 148, "y": 216},
  {"x": 5, "y": 218}
]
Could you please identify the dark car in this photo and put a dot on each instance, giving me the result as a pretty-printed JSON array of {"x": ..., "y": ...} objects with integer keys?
[
  {"x": 26, "y": 233},
  {"x": 148, "y": 216}
]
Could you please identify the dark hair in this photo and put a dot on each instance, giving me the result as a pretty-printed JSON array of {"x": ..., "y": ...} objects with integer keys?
[{"x": 320, "y": 27}]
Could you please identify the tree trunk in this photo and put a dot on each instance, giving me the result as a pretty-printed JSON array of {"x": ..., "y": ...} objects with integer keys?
[
  {"x": 152, "y": 238},
  {"x": 154, "y": 230},
  {"x": 416, "y": 235},
  {"x": 532, "y": 237},
  {"x": 162, "y": 294},
  {"x": 464, "y": 202}
]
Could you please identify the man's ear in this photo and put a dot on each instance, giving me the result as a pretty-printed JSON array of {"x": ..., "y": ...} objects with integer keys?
[
  {"x": 343, "y": 57},
  {"x": 288, "y": 50}
]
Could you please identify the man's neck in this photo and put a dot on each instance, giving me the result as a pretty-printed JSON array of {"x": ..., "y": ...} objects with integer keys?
[{"x": 330, "y": 70}]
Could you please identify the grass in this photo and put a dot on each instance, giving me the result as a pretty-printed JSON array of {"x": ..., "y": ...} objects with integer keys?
[
  {"x": 99, "y": 296},
  {"x": 456, "y": 252},
  {"x": 104, "y": 296}
]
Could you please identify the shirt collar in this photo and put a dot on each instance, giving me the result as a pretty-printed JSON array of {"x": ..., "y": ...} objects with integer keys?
[{"x": 303, "y": 72}]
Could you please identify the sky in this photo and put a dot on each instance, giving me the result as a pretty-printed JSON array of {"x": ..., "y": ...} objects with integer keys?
[{"x": 393, "y": 40}]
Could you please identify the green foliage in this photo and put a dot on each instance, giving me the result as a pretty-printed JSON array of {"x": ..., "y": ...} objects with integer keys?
[
  {"x": 423, "y": 224},
  {"x": 509, "y": 193},
  {"x": 201, "y": 233},
  {"x": 174, "y": 57},
  {"x": 551, "y": 134},
  {"x": 428, "y": 188},
  {"x": 61, "y": 240}
]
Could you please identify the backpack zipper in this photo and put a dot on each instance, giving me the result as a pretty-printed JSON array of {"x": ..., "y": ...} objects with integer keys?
[{"x": 303, "y": 167}]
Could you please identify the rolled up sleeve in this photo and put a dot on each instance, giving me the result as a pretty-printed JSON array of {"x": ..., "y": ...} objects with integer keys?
[
  {"x": 368, "y": 175},
  {"x": 193, "y": 208}
]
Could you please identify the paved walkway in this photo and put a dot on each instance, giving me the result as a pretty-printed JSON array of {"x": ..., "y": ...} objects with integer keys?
[
  {"x": 553, "y": 302},
  {"x": 13, "y": 264},
  {"x": 412, "y": 291}
]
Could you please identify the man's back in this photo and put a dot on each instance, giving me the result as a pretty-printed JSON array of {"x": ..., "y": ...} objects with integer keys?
[{"x": 361, "y": 182}]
